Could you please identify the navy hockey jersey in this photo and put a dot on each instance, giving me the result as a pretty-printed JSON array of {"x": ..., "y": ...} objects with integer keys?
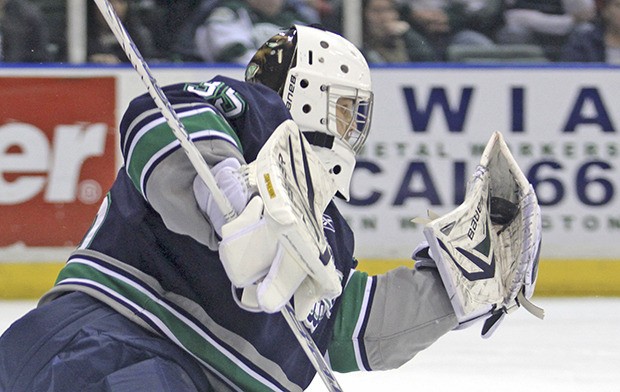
[{"x": 152, "y": 256}]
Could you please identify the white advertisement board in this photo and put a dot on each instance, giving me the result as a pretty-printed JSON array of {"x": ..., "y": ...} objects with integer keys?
[{"x": 429, "y": 128}]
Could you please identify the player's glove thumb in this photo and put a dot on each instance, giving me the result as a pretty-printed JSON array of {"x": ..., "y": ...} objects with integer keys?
[{"x": 233, "y": 185}]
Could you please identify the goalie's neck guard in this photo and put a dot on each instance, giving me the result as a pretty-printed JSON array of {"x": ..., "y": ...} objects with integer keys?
[{"x": 339, "y": 162}]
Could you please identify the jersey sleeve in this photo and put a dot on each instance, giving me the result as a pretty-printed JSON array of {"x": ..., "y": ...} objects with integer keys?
[
  {"x": 346, "y": 350},
  {"x": 383, "y": 321},
  {"x": 159, "y": 168}
]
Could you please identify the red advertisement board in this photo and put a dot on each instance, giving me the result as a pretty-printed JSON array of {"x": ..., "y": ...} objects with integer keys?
[{"x": 57, "y": 157}]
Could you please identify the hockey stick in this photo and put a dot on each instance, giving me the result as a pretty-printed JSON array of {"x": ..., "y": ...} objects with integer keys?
[{"x": 135, "y": 57}]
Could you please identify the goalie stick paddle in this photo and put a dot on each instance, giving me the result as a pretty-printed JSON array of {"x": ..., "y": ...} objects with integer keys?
[{"x": 135, "y": 57}]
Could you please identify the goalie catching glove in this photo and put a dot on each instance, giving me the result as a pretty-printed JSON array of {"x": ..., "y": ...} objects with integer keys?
[
  {"x": 487, "y": 249},
  {"x": 275, "y": 249}
]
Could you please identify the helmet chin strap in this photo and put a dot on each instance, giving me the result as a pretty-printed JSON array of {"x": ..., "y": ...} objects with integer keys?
[
  {"x": 319, "y": 139},
  {"x": 341, "y": 196}
]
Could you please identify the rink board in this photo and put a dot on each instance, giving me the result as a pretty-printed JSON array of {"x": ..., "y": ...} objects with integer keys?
[
  {"x": 570, "y": 278},
  {"x": 59, "y": 155}
]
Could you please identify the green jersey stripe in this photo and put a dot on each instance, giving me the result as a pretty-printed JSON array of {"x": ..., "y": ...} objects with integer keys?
[
  {"x": 156, "y": 138},
  {"x": 344, "y": 351},
  {"x": 173, "y": 324},
  {"x": 156, "y": 112}
]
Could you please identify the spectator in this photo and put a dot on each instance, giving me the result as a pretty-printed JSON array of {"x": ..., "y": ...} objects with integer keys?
[
  {"x": 23, "y": 32},
  {"x": 235, "y": 29},
  {"x": 454, "y": 22},
  {"x": 310, "y": 10},
  {"x": 545, "y": 23},
  {"x": 54, "y": 13},
  {"x": 483, "y": 16},
  {"x": 390, "y": 39},
  {"x": 330, "y": 14},
  {"x": 598, "y": 41},
  {"x": 103, "y": 47},
  {"x": 167, "y": 22}
]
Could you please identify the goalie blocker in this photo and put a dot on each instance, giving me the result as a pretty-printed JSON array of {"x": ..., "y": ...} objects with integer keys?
[
  {"x": 487, "y": 249},
  {"x": 282, "y": 230}
]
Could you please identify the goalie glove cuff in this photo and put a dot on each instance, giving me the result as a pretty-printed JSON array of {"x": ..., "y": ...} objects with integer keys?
[{"x": 422, "y": 256}]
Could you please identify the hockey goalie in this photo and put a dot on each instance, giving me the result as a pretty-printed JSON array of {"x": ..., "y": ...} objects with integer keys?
[{"x": 167, "y": 292}]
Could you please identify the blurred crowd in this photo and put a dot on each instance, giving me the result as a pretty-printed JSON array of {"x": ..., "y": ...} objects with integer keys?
[{"x": 394, "y": 31}]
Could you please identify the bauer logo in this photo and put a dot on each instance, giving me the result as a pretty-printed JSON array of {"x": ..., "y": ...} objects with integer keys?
[{"x": 57, "y": 161}]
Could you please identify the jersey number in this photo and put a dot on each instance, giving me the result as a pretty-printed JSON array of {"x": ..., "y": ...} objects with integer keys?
[{"x": 223, "y": 97}]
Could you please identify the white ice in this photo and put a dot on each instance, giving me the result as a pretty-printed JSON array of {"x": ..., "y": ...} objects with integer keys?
[{"x": 575, "y": 349}]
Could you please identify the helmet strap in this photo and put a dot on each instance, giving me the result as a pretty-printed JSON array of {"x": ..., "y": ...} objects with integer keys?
[{"x": 319, "y": 139}]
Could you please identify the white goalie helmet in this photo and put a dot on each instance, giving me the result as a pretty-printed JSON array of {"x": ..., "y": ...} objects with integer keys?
[{"x": 324, "y": 81}]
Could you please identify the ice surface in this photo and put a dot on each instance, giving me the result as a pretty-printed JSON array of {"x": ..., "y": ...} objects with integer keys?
[{"x": 575, "y": 349}]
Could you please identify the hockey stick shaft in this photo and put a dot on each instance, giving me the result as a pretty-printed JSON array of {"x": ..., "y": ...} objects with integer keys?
[
  {"x": 162, "y": 102},
  {"x": 135, "y": 57}
]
